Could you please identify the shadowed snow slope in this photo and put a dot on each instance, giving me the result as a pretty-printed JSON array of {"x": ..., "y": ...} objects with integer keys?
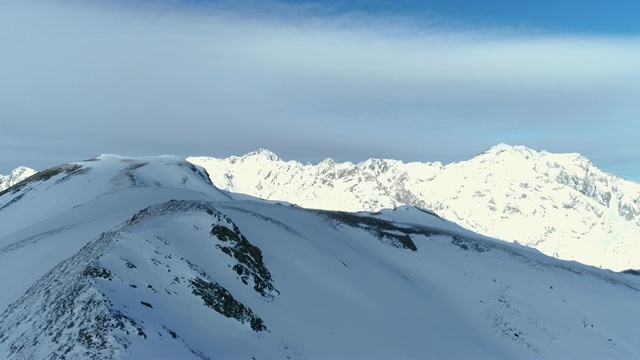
[
  {"x": 144, "y": 258},
  {"x": 561, "y": 204}
]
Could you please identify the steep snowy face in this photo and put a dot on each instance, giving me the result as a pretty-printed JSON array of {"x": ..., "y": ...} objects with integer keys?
[
  {"x": 17, "y": 175},
  {"x": 560, "y": 204},
  {"x": 143, "y": 258}
]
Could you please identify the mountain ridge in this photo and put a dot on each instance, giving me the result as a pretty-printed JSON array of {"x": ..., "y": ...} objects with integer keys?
[{"x": 559, "y": 203}]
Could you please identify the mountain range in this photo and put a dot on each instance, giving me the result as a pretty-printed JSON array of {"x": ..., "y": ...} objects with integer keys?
[
  {"x": 119, "y": 257},
  {"x": 560, "y": 204}
]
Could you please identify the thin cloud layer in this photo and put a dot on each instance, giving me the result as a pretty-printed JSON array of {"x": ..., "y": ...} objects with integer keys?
[{"x": 84, "y": 79}]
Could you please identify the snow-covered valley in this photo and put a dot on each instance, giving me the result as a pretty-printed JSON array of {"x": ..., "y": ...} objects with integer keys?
[
  {"x": 560, "y": 204},
  {"x": 144, "y": 258}
]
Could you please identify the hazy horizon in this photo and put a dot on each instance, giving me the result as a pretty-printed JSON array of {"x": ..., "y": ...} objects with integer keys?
[{"x": 438, "y": 81}]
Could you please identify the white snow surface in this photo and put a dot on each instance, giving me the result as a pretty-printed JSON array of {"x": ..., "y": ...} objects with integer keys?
[
  {"x": 560, "y": 204},
  {"x": 143, "y": 258},
  {"x": 17, "y": 175}
]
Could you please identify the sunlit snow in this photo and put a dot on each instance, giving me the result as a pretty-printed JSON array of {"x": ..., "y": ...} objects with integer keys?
[
  {"x": 144, "y": 258},
  {"x": 560, "y": 204}
]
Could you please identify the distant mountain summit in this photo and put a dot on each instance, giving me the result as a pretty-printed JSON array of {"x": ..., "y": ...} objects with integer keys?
[
  {"x": 560, "y": 204},
  {"x": 15, "y": 177},
  {"x": 144, "y": 258}
]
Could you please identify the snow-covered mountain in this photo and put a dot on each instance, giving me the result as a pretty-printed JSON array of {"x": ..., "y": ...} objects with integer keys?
[
  {"x": 17, "y": 175},
  {"x": 144, "y": 258},
  {"x": 560, "y": 204}
]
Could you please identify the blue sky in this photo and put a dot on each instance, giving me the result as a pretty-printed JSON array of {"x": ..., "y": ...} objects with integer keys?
[
  {"x": 411, "y": 80},
  {"x": 577, "y": 16},
  {"x": 569, "y": 16}
]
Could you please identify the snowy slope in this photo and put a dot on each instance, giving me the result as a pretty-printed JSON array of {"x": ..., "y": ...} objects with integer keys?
[
  {"x": 15, "y": 177},
  {"x": 560, "y": 204},
  {"x": 143, "y": 258}
]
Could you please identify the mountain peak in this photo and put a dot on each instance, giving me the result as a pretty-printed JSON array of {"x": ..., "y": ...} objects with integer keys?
[
  {"x": 163, "y": 158},
  {"x": 263, "y": 153},
  {"x": 18, "y": 174},
  {"x": 327, "y": 162},
  {"x": 502, "y": 148},
  {"x": 512, "y": 150},
  {"x": 22, "y": 169}
]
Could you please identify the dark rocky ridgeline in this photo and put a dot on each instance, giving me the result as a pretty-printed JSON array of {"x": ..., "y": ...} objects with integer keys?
[
  {"x": 250, "y": 266},
  {"x": 68, "y": 169},
  {"x": 384, "y": 230},
  {"x": 220, "y": 299}
]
